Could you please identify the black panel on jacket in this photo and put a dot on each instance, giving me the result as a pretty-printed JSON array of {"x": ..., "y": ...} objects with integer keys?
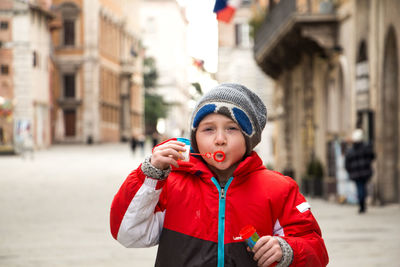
[
  {"x": 179, "y": 250},
  {"x": 236, "y": 255}
]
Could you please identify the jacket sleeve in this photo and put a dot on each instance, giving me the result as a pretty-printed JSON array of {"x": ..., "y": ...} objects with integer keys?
[
  {"x": 137, "y": 214},
  {"x": 299, "y": 228}
]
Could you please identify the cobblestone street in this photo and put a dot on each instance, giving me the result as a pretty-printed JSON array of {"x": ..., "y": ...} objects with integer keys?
[{"x": 55, "y": 212}]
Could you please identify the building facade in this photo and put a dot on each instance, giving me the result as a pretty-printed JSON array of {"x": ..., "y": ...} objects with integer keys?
[
  {"x": 25, "y": 55},
  {"x": 335, "y": 66},
  {"x": 97, "y": 78},
  {"x": 169, "y": 49},
  {"x": 236, "y": 64}
]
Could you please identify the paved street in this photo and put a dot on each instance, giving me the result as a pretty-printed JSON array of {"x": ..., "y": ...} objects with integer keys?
[{"x": 55, "y": 212}]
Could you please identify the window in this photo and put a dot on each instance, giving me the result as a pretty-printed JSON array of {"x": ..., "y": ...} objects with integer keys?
[
  {"x": 242, "y": 35},
  {"x": 151, "y": 26},
  {"x": 69, "y": 32},
  {"x": 35, "y": 59},
  {"x": 4, "y": 25},
  {"x": 4, "y": 69},
  {"x": 69, "y": 85},
  {"x": 70, "y": 17}
]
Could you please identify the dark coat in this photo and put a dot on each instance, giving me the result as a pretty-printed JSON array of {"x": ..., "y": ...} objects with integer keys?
[{"x": 359, "y": 161}]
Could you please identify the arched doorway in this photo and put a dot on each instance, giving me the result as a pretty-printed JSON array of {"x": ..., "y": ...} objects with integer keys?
[
  {"x": 338, "y": 119},
  {"x": 365, "y": 114},
  {"x": 389, "y": 166},
  {"x": 336, "y": 103}
]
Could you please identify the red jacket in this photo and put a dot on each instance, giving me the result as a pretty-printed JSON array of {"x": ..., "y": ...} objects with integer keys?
[{"x": 196, "y": 223}]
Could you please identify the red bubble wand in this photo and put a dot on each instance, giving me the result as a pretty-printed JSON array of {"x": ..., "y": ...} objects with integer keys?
[{"x": 218, "y": 156}]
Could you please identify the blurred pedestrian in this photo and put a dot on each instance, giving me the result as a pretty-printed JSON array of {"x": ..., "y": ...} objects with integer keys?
[
  {"x": 142, "y": 140},
  {"x": 358, "y": 164},
  {"x": 1, "y": 136},
  {"x": 133, "y": 143},
  {"x": 155, "y": 137},
  {"x": 27, "y": 142},
  {"x": 197, "y": 209}
]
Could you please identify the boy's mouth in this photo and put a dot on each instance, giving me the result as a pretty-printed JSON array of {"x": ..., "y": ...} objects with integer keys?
[{"x": 219, "y": 156}]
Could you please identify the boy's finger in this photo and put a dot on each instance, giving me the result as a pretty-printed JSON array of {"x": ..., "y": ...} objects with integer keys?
[
  {"x": 174, "y": 143},
  {"x": 173, "y": 146},
  {"x": 270, "y": 262},
  {"x": 265, "y": 259},
  {"x": 173, "y": 162},
  {"x": 263, "y": 240},
  {"x": 169, "y": 152},
  {"x": 261, "y": 247},
  {"x": 178, "y": 148}
]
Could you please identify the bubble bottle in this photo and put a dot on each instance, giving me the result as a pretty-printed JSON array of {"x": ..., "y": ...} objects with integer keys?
[{"x": 249, "y": 234}]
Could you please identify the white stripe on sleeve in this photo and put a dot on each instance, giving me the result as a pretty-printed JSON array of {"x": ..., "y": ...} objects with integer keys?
[
  {"x": 303, "y": 207},
  {"x": 141, "y": 226}
]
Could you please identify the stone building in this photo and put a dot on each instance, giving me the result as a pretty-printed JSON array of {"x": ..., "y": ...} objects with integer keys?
[
  {"x": 236, "y": 64},
  {"x": 25, "y": 51},
  {"x": 164, "y": 34},
  {"x": 336, "y": 67},
  {"x": 97, "y": 71}
]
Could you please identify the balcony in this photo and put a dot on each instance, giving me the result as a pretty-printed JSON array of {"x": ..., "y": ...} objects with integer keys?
[
  {"x": 127, "y": 67},
  {"x": 69, "y": 102},
  {"x": 293, "y": 27}
]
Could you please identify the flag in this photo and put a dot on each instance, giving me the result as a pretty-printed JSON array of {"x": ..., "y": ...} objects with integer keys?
[
  {"x": 133, "y": 51},
  {"x": 225, "y": 9}
]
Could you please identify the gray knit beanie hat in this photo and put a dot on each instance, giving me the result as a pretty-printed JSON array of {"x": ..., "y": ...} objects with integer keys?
[{"x": 237, "y": 103}]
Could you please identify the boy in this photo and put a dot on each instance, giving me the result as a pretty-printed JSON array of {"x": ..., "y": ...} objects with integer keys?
[{"x": 195, "y": 210}]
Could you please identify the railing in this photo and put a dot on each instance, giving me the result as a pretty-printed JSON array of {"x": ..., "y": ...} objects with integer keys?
[
  {"x": 282, "y": 13},
  {"x": 128, "y": 66},
  {"x": 277, "y": 16}
]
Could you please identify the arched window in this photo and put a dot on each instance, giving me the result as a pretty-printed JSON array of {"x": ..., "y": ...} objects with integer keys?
[
  {"x": 35, "y": 59},
  {"x": 362, "y": 52},
  {"x": 362, "y": 93},
  {"x": 388, "y": 167},
  {"x": 70, "y": 13}
]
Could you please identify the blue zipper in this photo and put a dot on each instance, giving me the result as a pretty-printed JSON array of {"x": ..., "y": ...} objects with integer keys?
[{"x": 221, "y": 219}]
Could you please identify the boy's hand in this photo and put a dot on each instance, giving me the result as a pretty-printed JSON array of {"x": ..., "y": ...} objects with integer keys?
[
  {"x": 167, "y": 154},
  {"x": 267, "y": 251}
]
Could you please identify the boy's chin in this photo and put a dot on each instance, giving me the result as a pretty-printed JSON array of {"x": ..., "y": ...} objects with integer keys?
[
  {"x": 219, "y": 165},
  {"x": 221, "y": 168}
]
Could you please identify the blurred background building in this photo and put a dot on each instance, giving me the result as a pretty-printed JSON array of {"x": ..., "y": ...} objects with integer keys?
[
  {"x": 72, "y": 71},
  {"x": 25, "y": 58},
  {"x": 97, "y": 71},
  {"x": 237, "y": 64},
  {"x": 335, "y": 68},
  {"x": 164, "y": 35}
]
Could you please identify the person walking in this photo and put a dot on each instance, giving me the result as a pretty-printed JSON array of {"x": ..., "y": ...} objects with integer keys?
[
  {"x": 358, "y": 163},
  {"x": 133, "y": 143}
]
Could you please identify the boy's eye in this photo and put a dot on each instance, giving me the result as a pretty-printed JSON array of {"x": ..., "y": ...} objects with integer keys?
[
  {"x": 233, "y": 128},
  {"x": 207, "y": 129}
]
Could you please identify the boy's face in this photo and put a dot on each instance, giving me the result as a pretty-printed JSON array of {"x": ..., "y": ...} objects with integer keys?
[{"x": 218, "y": 132}]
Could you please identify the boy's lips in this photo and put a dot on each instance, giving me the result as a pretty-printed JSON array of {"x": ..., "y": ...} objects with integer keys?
[{"x": 219, "y": 156}]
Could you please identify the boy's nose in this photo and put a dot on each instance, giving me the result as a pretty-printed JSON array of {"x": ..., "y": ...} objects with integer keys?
[{"x": 220, "y": 138}]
